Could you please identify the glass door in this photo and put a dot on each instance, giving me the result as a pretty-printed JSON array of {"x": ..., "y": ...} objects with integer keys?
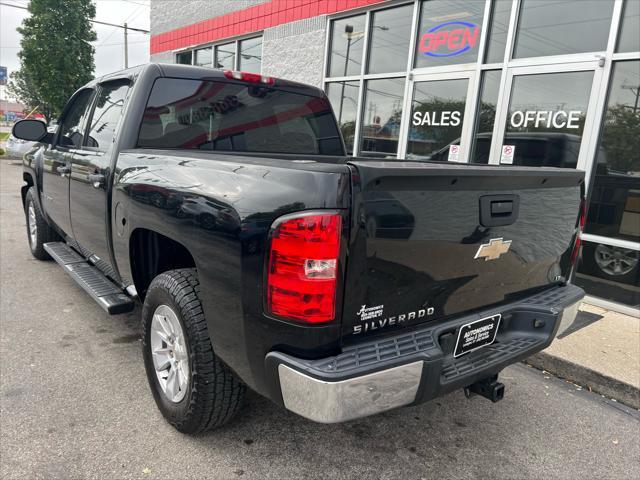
[
  {"x": 547, "y": 115},
  {"x": 439, "y": 108}
]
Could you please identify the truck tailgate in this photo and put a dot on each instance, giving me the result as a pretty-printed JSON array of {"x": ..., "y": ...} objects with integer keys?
[{"x": 432, "y": 240}]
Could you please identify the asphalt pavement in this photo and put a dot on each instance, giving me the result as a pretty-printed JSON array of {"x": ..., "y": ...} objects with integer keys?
[{"x": 74, "y": 403}]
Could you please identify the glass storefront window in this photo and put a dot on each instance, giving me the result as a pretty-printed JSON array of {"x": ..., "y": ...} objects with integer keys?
[
  {"x": 382, "y": 115},
  {"x": 344, "y": 100},
  {"x": 184, "y": 58},
  {"x": 500, "y": 14},
  {"x": 609, "y": 272},
  {"x": 250, "y": 55},
  {"x": 552, "y": 27},
  {"x": 225, "y": 56},
  {"x": 347, "y": 40},
  {"x": 546, "y": 118},
  {"x": 437, "y": 111},
  {"x": 203, "y": 57},
  {"x": 629, "y": 40},
  {"x": 614, "y": 208},
  {"x": 390, "y": 36},
  {"x": 449, "y": 32},
  {"x": 486, "y": 116}
]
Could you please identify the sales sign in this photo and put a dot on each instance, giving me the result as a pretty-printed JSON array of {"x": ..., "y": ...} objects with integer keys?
[{"x": 449, "y": 39}]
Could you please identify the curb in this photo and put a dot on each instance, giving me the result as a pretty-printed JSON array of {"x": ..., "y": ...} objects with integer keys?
[{"x": 586, "y": 377}]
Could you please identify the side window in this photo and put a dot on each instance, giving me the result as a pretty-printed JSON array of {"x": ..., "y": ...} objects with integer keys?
[
  {"x": 73, "y": 123},
  {"x": 107, "y": 114}
]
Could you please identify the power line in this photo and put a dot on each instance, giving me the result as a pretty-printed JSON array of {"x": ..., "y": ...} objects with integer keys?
[
  {"x": 92, "y": 21},
  {"x": 137, "y": 3},
  {"x": 120, "y": 43},
  {"x": 124, "y": 22}
]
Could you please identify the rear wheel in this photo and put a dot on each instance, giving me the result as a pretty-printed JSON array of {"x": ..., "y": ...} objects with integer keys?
[
  {"x": 38, "y": 230},
  {"x": 193, "y": 389}
]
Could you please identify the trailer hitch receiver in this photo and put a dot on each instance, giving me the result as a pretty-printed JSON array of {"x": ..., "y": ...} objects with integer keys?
[{"x": 488, "y": 388}]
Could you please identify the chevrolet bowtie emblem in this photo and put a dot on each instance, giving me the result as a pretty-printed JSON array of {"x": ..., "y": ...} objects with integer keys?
[{"x": 493, "y": 249}]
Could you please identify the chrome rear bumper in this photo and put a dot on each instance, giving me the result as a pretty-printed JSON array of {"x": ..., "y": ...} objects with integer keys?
[
  {"x": 417, "y": 365},
  {"x": 332, "y": 402}
]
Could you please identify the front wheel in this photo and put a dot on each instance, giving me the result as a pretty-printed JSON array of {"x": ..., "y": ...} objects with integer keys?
[
  {"x": 38, "y": 230},
  {"x": 193, "y": 389}
]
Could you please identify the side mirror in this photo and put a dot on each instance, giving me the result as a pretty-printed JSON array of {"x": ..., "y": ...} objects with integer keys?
[{"x": 30, "y": 130}]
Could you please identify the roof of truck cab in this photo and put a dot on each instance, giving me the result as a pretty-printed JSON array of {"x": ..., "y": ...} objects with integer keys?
[{"x": 173, "y": 70}]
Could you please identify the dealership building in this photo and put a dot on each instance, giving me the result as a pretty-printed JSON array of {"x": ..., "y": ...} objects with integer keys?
[{"x": 515, "y": 82}]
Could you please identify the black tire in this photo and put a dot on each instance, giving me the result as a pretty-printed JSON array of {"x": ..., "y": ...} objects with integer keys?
[
  {"x": 214, "y": 393},
  {"x": 44, "y": 233}
]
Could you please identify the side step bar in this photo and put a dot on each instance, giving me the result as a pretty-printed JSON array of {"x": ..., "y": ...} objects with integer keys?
[{"x": 111, "y": 298}]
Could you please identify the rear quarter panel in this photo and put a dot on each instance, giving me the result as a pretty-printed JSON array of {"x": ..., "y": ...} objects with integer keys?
[{"x": 220, "y": 207}]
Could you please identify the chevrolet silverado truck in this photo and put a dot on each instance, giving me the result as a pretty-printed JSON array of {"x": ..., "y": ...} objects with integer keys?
[{"x": 266, "y": 258}]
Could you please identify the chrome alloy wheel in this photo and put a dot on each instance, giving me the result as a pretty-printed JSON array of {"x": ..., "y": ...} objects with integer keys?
[
  {"x": 169, "y": 352},
  {"x": 33, "y": 225},
  {"x": 615, "y": 261}
]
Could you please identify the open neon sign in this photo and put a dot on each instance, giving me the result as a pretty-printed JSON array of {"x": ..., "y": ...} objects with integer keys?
[{"x": 449, "y": 39}]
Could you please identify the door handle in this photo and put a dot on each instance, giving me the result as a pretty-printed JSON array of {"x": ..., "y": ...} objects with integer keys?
[
  {"x": 96, "y": 179},
  {"x": 64, "y": 171}
]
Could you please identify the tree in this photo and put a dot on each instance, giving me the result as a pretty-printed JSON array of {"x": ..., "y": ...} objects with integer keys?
[
  {"x": 21, "y": 88},
  {"x": 621, "y": 138},
  {"x": 56, "y": 56}
]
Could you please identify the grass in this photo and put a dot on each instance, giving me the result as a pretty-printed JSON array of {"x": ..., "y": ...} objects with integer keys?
[{"x": 4, "y": 136}]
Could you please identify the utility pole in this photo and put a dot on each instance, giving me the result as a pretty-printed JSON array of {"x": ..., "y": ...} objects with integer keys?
[
  {"x": 126, "y": 47},
  {"x": 636, "y": 91},
  {"x": 125, "y": 27},
  {"x": 348, "y": 31}
]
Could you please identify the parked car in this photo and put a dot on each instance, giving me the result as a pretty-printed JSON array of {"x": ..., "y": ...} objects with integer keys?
[
  {"x": 265, "y": 258},
  {"x": 16, "y": 148}
]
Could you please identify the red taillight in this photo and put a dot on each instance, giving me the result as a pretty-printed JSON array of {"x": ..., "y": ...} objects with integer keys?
[
  {"x": 302, "y": 271},
  {"x": 583, "y": 214},
  {"x": 581, "y": 222},
  {"x": 248, "y": 77}
]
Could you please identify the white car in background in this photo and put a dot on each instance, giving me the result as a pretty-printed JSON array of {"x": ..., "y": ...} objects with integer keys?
[{"x": 16, "y": 148}]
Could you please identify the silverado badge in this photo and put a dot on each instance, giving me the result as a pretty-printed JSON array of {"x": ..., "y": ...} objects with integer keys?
[{"x": 493, "y": 249}]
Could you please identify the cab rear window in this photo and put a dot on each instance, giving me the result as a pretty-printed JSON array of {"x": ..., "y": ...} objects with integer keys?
[{"x": 224, "y": 116}]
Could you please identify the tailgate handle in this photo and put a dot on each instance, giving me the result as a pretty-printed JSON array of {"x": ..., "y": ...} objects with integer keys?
[
  {"x": 498, "y": 210},
  {"x": 501, "y": 208}
]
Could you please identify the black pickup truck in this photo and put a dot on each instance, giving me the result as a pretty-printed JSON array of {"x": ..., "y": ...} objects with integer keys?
[{"x": 264, "y": 257}]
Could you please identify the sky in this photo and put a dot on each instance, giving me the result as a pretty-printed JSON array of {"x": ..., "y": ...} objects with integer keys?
[{"x": 109, "y": 54}]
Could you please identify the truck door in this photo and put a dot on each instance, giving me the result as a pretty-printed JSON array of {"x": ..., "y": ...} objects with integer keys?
[
  {"x": 57, "y": 159},
  {"x": 91, "y": 170}
]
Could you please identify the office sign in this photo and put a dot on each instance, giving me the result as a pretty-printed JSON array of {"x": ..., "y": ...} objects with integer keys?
[{"x": 545, "y": 119}]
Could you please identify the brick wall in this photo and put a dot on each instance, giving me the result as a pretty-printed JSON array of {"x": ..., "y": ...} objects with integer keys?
[
  {"x": 172, "y": 14},
  {"x": 295, "y": 50},
  {"x": 258, "y": 17}
]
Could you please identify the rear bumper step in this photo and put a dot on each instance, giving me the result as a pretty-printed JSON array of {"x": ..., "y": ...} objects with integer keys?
[
  {"x": 413, "y": 367},
  {"x": 106, "y": 293}
]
